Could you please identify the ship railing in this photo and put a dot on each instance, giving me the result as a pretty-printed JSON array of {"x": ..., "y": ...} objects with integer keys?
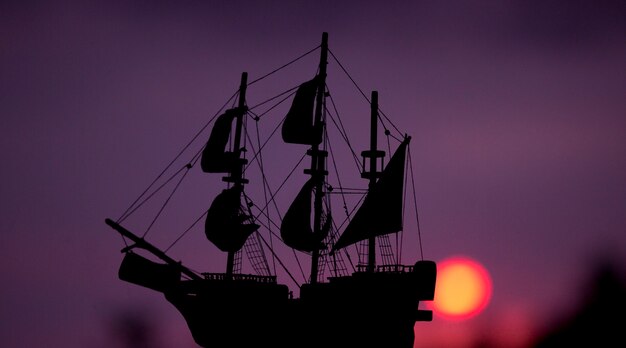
[
  {"x": 241, "y": 277},
  {"x": 387, "y": 268}
]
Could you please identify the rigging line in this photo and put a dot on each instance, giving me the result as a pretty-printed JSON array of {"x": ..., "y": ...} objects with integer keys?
[
  {"x": 419, "y": 232},
  {"x": 284, "y": 181},
  {"x": 349, "y": 260},
  {"x": 277, "y": 210},
  {"x": 388, "y": 120},
  {"x": 278, "y": 237},
  {"x": 139, "y": 205},
  {"x": 345, "y": 250},
  {"x": 398, "y": 251},
  {"x": 270, "y": 221},
  {"x": 344, "y": 134},
  {"x": 249, "y": 205},
  {"x": 284, "y": 65},
  {"x": 394, "y": 137},
  {"x": 347, "y": 219},
  {"x": 186, "y": 231},
  {"x": 350, "y": 77},
  {"x": 275, "y": 235},
  {"x": 273, "y": 194},
  {"x": 126, "y": 213},
  {"x": 266, "y": 186},
  {"x": 332, "y": 156},
  {"x": 262, "y": 212},
  {"x": 275, "y": 97},
  {"x": 406, "y": 178},
  {"x": 167, "y": 200},
  {"x": 258, "y": 137},
  {"x": 387, "y": 131},
  {"x": 272, "y": 200},
  {"x": 265, "y": 143},
  {"x": 279, "y": 261},
  {"x": 360, "y": 90}
]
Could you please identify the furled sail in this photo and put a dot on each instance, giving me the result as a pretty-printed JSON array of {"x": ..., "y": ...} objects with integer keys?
[
  {"x": 138, "y": 270},
  {"x": 226, "y": 225},
  {"x": 215, "y": 158},
  {"x": 295, "y": 229},
  {"x": 299, "y": 127},
  {"x": 381, "y": 211}
]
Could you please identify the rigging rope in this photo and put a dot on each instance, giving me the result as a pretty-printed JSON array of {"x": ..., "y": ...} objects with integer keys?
[
  {"x": 126, "y": 212},
  {"x": 273, "y": 195},
  {"x": 261, "y": 212},
  {"x": 139, "y": 205},
  {"x": 406, "y": 178},
  {"x": 419, "y": 232},
  {"x": 261, "y": 250},
  {"x": 280, "y": 262},
  {"x": 293, "y": 91},
  {"x": 361, "y": 91},
  {"x": 261, "y": 167},
  {"x": 343, "y": 197},
  {"x": 284, "y": 65},
  {"x": 265, "y": 143},
  {"x": 343, "y": 133},
  {"x": 398, "y": 245},
  {"x": 187, "y": 230},
  {"x": 187, "y": 167}
]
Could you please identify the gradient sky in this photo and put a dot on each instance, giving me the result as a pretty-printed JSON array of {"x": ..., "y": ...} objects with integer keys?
[{"x": 517, "y": 110}]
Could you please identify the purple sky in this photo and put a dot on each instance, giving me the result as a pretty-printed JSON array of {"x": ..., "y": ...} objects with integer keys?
[{"x": 517, "y": 110}]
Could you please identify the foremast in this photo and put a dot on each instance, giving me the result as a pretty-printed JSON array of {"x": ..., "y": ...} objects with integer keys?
[
  {"x": 236, "y": 174},
  {"x": 318, "y": 157}
]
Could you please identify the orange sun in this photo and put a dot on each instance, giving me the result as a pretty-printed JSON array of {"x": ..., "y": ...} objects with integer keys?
[{"x": 463, "y": 288}]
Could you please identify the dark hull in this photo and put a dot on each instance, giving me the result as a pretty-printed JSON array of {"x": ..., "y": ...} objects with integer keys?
[
  {"x": 376, "y": 309},
  {"x": 223, "y": 313},
  {"x": 363, "y": 310}
]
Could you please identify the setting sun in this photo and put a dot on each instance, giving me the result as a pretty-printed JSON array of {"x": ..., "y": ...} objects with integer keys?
[{"x": 463, "y": 288}]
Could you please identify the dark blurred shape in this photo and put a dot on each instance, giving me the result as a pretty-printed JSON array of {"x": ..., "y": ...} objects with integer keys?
[
  {"x": 134, "y": 330},
  {"x": 596, "y": 323}
]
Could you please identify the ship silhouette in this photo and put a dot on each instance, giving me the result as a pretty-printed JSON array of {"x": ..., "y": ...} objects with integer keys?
[{"x": 373, "y": 303}]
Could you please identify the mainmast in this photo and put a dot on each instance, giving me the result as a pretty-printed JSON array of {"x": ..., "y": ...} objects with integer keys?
[
  {"x": 236, "y": 175},
  {"x": 318, "y": 157}
]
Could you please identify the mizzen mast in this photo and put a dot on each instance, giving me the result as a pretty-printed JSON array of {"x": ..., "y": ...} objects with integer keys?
[{"x": 373, "y": 154}]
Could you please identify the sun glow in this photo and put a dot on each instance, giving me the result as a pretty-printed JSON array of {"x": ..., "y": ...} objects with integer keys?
[{"x": 463, "y": 288}]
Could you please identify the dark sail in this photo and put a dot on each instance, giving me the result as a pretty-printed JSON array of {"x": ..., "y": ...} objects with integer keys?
[
  {"x": 215, "y": 158},
  {"x": 381, "y": 211},
  {"x": 295, "y": 229},
  {"x": 299, "y": 127},
  {"x": 226, "y": 226}
]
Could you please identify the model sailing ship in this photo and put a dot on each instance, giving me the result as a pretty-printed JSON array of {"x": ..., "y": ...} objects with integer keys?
[{"x": 375, "y": 305}]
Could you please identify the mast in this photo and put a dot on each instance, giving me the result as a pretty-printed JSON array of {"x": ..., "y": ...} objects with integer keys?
[
  {"x": 237, "y": 172},
  {"x": 317, "y": 157},
  {"x": 371, "y": 256}
]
